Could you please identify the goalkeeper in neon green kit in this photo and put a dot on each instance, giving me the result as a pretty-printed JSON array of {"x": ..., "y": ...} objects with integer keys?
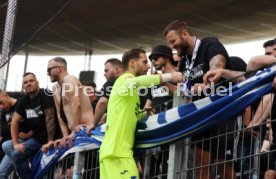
[{"x": 123, "y": 112}]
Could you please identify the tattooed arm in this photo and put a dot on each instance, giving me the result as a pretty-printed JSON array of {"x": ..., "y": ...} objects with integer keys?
[
  {"x": 50, "y": 122},
  {"x": 217, "y": 62}
]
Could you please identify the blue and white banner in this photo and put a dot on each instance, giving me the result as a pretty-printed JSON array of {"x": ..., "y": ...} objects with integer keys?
[
  {"x": 188, "y": 119},
  {"x": 44, "y": 162}
]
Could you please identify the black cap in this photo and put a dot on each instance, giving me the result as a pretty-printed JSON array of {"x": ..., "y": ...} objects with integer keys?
[{"x": 162, "y": 50}]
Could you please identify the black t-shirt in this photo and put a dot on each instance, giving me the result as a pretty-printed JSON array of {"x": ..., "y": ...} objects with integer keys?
[
  {"x": 237, "y": 64},
  {"x": 94, "y": 104},
  {"x": 107, "y": 87},
  {"x": 209, "y": 47},
  {"x": 161, "y": 99},
  {"x": 143, "y": 95},
  {"x": 6, "y": 118},
  {"x": 33, "y": 112}
]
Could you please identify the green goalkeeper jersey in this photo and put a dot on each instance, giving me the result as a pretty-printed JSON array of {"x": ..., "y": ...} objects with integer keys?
[{"x": 123, "y": 112}]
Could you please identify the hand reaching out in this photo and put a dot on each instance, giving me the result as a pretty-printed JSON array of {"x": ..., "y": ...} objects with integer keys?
[
  {"x": 20, "y": 147},
  {"x": 46, "y": 147},
  {"x": 212, "y": 76}
]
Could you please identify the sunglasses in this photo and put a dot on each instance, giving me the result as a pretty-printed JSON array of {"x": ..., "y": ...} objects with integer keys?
[{"x": 49, "y": 69}]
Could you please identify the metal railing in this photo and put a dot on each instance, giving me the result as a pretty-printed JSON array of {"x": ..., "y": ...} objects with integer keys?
[{"x": 235, "y": 153}]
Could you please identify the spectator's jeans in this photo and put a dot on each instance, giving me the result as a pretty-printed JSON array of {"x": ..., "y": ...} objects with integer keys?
[
  {"x": 6, "y": 167},
  {"x": 21, "y": 160},
  {"x": 245, "y": 149}
]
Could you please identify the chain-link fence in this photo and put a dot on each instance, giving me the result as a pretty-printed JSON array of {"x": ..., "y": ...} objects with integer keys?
[{"x": 21, "y": 20}]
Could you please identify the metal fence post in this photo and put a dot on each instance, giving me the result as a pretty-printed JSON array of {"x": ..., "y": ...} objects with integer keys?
[
  {"x": 256, "y": 164},
  {"x": 78, "y": 165},
  {"x": 171, "y": 162},
  {"x": 175, "y": 153},
  {"x": 146, "y": 172}
]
